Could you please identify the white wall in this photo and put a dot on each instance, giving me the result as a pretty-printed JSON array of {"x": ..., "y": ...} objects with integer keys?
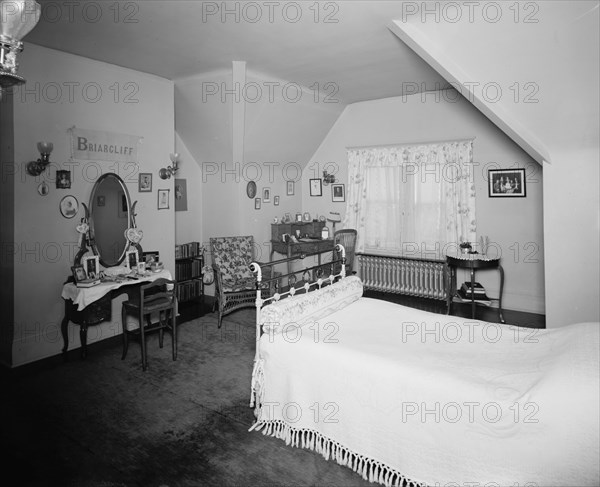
[
  {"x": 513, "y": 224},
  {"x": 62, "y": 91},
  {"x": 540, "y": 62}
]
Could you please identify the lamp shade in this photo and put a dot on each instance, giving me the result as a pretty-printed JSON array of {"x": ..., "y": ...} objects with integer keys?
[{"x": 17, "y": 18}]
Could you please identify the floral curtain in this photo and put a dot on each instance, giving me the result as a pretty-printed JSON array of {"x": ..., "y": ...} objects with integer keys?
[{"x": 421, "y": 195}]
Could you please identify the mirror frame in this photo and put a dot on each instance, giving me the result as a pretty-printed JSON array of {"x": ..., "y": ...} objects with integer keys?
[{"x": 92, "y": 230}]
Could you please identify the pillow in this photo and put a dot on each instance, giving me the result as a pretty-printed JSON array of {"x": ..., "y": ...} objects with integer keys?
[{"x": 312, "y": 306}]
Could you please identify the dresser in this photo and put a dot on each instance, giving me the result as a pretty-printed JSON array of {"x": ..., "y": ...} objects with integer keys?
[{"x": 309, "y": 242}]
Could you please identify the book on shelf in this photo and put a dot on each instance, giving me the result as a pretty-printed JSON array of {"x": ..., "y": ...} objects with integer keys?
[
  {"x": 479, "y": 298},
  {"x": 191, "y": 249},
  {"x": 477, "y": 288}
]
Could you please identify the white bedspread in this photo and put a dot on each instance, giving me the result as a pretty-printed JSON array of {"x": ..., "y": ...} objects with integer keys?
[{"x": 396, "y": 393}]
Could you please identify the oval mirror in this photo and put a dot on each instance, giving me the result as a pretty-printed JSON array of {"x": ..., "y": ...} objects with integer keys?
[{"x": 110, "y": 215}]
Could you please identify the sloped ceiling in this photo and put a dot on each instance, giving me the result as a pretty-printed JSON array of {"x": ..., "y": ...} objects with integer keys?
[
  {"x": 341, "y": 50},
  {"x": 532, "y": 68}
]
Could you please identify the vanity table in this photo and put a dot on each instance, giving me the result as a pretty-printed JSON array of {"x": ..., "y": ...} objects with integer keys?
[
  {"x": 107, "y": 231},
  {"x": 92, "y": 305}
]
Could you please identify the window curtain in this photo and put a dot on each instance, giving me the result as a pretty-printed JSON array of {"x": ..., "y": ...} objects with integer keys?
[{"x": 412, "y": 196}]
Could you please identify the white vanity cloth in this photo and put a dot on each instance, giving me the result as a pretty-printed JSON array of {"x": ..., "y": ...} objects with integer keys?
[{"x": 85, "y": 296}]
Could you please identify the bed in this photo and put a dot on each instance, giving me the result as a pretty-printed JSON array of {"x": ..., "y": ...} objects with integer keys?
[{"x": 407, "y": 397}]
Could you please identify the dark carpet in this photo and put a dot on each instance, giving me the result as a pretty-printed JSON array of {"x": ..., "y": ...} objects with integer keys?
[{"x": 103, "y": 422}]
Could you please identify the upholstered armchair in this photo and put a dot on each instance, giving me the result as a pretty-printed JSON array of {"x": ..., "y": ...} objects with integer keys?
[{"x": 235, "y": 283}]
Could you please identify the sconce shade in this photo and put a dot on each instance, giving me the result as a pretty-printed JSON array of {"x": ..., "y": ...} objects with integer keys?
[
  {"x": 18, "y": 18},
  {"x": 174, "y": 157},
  {"x": 45, "y": 147}
]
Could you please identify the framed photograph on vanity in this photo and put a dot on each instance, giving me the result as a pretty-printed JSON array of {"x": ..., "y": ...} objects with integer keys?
[
  {"x": 91, "y": 264},
  {"x": 131, "y": 259},
  {"x": 78, "y": 273},
  {"x": 506, "y": 183},
  {"x": 145, "y": 182},
  {"x": 315, "y": 187},
  {"x": 338, "y": 192}
]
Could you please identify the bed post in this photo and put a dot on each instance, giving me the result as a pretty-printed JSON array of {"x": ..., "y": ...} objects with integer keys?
[{"x": 258, "y": 303}]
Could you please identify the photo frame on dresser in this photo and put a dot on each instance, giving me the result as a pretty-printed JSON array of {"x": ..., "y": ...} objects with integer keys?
[
  {"x": 131, "y": 259},
  {"x": 91, "y": 264}
]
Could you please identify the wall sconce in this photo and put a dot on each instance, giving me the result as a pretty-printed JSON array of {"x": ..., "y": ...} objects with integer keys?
[
  {"x": 35, "y": 168},
  {"x": 328, "y": 178},
  {"x": 167, "y": 172},
  {"x": 17, "y": 18}
]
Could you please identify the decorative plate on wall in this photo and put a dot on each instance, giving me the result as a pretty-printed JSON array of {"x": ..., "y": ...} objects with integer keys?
[{"x": 251, "y": 189}]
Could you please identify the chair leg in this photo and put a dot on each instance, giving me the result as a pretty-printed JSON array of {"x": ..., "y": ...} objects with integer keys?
[
  {"x": 174, "y": 332},
  {"x": 125, "y": 337},
  {"x": 161, "y": 330},
  {"x": 220, "y": 317},
  {"x": 143, "y": 342}
]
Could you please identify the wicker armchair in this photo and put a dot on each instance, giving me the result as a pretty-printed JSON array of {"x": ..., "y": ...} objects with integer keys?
[{"x": 235, "y": 284}]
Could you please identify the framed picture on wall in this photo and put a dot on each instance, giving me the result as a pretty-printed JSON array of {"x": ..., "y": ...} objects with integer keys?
[
  {"x": 266, "y": 195},
  {"x": 163, "y": 199},
  {"x": 145, "y": 182},
  {"x": 338, "y": 192},
  {"x": 276, "y": 200},
  {"x": 315, "y": 187},
  {"x": 69, "y": 206},
  {"x": 290, "y": 188},
  {"x": 181, "y": 195},
  {"x": 63, "y": 179},
  {"x": 257, "y": 203},
  {"x": 506, "y": 183}
]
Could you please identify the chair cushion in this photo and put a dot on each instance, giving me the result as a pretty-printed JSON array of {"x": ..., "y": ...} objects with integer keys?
[{"x": 232, "y": 255}]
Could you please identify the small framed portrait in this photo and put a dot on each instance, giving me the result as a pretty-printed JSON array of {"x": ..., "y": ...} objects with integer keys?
[
  {"x": 145, "y": 182},
  {"x": 506, "y": 183},
  {"x": 276, "y": 200},
  {"x": 132, "y": 259},
  {"x": 338, "y": 192},
  {"x": 290, "y": 188},
  {"x": 78, "y": 273},
  {"x": 266, "y": 195},
  {"x": 257, "y": 203},
  {"x": 141, "y": 267},
  {"x": 163, "y": 199},
  {"x": 101, "y": 200},
  {"x": 69, "y": 206},
  {"x": 91, "y": 264},
  {"x": 43, "y": 188},
  {"x": 63, "y": 179},
  {"x": 181, "y": 195},
  {"x": 315, "y": 187}
]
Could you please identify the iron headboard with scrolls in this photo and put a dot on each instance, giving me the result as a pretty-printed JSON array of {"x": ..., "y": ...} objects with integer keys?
[{"x": 289, "y": 293}]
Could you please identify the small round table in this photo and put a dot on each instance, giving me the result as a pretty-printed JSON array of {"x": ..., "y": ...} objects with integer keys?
[{"x": 472, "y": 262}]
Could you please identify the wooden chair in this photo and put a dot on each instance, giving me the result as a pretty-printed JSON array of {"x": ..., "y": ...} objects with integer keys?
[
  {"x": 235, "y": 284},
  {"x": 347, "y": 238},
  {"x": 155, "y": 298}
]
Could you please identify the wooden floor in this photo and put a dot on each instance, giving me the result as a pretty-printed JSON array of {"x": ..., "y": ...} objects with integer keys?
[{"x": 484, "y": 313}]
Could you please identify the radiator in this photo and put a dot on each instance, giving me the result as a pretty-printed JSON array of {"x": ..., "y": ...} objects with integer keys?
[{"x": 414, "y": 277}]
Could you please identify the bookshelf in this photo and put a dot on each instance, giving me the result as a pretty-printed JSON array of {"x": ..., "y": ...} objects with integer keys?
[{"x": 189, "y": 260}]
